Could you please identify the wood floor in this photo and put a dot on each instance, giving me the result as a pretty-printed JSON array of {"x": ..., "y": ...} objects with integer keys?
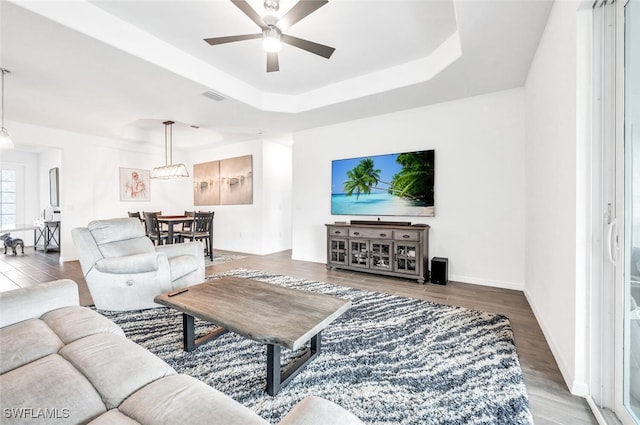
[{"x": 550, "y": 401}]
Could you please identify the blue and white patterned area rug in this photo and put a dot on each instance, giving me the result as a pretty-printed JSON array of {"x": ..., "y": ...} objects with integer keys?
[
  {"x": 389, "y": 360},
  {"x": 222, "y": 258}
]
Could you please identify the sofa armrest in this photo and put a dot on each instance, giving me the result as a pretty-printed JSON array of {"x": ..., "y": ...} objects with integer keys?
[
  {"x": 129, "y": 264},
  {"x": 34, "y": 301},
  {"x": 317, "y": 411},
  {"x": 186, "y": 248}
]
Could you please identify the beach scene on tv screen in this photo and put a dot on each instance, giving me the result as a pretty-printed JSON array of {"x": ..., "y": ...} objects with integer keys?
[{"x": 400, "y": 184}]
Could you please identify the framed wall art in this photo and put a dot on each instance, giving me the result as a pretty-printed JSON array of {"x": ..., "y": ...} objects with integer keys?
[
  {"x": 134, "y": 184},
  {"x": 223, "y": 182}
]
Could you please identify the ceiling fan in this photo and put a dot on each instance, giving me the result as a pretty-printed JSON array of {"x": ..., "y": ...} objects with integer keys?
[{"x": 273, "y": 28}]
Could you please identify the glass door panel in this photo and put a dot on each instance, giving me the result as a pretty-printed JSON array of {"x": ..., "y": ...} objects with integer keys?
[
  {"x": 631, "y": 259},
  {"x": 405, "y": 255},
  {"x": 338, "y": 248},
  {"x": 359, "y": 253},
  {"x": 381, "y": 255}
]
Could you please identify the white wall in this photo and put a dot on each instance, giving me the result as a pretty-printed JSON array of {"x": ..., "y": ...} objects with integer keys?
[
  {"x": 554, "y": 215},
  {"x": 479, "y": 182},
  {"x": 264, "y": 226},
  {"x": 89, "y": 178},
  {"x": 276, "y": 214}
]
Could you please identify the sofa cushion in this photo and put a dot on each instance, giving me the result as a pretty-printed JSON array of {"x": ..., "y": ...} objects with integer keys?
[
  {"x": 126, "y": 247},
  {"x": 72, "y": 323},
  {"x": 318, "y": 411},
  {"x": 115, "y": 417},
  {"x": 25, "y": 342},
  {"x": 25, "y": 303},
  {"x": 49, "y": 383},
  {"x": 115, "y": 229},
  {"x": 172, "y": 399},
  {"x": 129, "y": 264},
  {"x": 182, "y": 265},
  {"x": 116, "y": 366}
]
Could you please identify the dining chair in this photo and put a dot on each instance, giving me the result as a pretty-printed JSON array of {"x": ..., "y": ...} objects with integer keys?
[
  {"x": 186, "y": 225},
  {"x": 152, "y": 225},
  {"x": 201, "y": 230},
  {"x": 136, "y": 214}
]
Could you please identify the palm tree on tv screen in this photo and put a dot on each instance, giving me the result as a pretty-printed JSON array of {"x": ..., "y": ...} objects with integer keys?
[
  {"x": 415, "y": 180},
  {"x": 362, "y": 178}
]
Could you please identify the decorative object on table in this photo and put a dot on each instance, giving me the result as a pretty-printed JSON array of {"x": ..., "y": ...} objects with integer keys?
[
  {"x": 169, "y": 170},
  {"x": 224, "y": 182},
  {"x": 5, "y": 138},
  {"x": 400, "y": 184},
  {"x": 389, "y": 360},
  {"x": 12, "y": 243},
  {"x": 134, "y": 184}
]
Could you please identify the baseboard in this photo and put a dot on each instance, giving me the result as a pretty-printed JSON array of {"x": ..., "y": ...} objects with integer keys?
[
  {"x": 487, "y": 282},
  {"x": 580, "y": 389}
]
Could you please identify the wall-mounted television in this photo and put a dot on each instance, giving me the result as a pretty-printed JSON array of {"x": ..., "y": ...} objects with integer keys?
[{"x": 399, "y": 184}]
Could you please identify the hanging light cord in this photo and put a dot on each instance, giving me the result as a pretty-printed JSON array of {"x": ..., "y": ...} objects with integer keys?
[{"x": 168, "y": 148}]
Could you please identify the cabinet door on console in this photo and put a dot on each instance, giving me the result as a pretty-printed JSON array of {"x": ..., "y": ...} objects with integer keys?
[
  {"x": 381, "y": 255},
  {"x": 359, "y": 253},
  {"x": 337, "y": 246},
  {"x": 406, "y": 258},
  {"x": 338, "y": 251}
]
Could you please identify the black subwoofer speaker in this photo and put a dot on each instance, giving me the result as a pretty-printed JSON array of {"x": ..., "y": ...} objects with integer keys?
[{"x": 439, "y": 270}]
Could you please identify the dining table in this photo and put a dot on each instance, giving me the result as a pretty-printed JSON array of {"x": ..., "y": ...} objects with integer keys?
[{"x": 171, "y": 221}]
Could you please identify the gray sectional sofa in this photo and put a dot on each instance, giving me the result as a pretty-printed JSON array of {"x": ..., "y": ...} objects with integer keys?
[{"x": 61, "y": 363}]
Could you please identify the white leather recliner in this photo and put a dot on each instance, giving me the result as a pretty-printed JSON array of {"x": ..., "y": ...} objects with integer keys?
[{"x": 125, "y": 271}]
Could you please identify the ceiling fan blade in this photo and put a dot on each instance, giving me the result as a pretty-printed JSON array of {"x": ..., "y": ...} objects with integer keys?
[
  {"x": 252, "y": 14},
  {"x": 301, "y": 10},
  {"x": 272, "y": 62},
  {"x": 309, "y": 46},
  {"x": 230, "y": 39}
]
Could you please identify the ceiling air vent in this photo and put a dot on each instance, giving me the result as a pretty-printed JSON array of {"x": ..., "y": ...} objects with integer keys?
[{"x": 213, "y": 95}]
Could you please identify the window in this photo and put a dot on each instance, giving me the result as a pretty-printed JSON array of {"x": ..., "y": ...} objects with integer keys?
[{"x": 7, "y": 197}]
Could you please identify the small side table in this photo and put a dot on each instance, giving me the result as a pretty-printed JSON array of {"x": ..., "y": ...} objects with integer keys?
[{"x": 49, "y": 232}]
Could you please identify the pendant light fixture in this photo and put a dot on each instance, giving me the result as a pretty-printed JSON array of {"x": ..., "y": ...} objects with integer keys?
[
  {"x": 170, "y": 170},
  {"x": 5, "y": 139}
]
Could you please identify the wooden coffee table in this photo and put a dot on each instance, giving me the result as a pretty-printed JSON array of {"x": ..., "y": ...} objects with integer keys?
[{"x": 263, "y": 312}]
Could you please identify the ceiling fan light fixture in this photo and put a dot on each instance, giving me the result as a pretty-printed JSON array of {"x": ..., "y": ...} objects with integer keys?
[{"x": 271, "y": 40}]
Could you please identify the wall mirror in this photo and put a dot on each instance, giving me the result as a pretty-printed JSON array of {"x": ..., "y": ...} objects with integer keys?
[{"x": 54, "y": 193}]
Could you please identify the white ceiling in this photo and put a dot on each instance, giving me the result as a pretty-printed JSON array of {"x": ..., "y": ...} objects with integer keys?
[{"x": 120, "y": 68}]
